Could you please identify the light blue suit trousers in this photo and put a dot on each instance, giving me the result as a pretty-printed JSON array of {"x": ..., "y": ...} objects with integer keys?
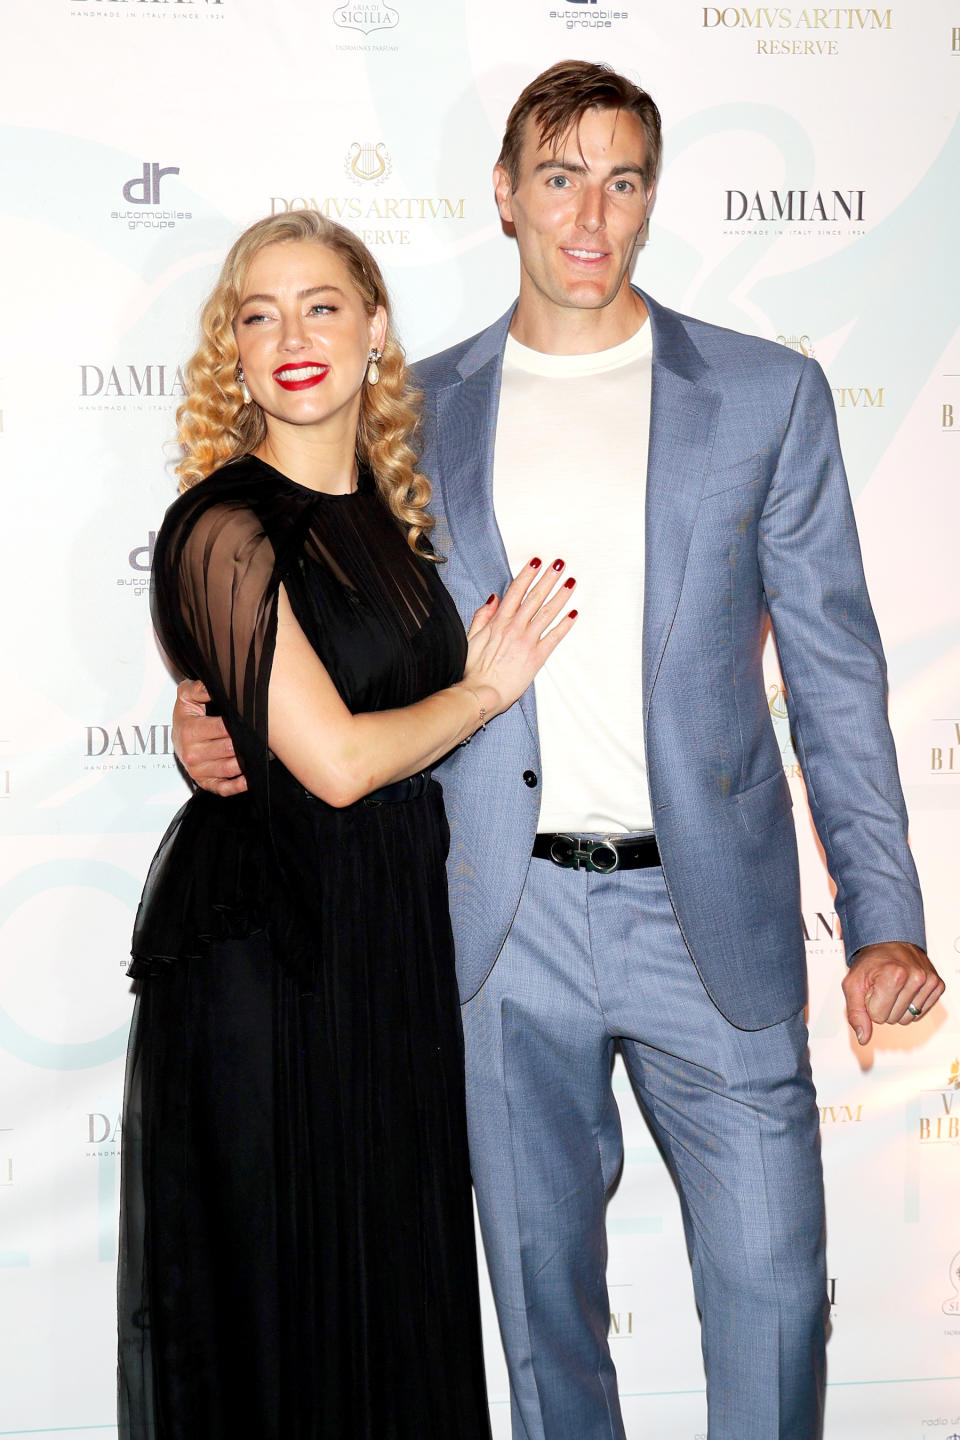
[{"x": 592, "y": 960}]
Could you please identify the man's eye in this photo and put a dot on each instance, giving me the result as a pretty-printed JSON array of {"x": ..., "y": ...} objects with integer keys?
[
  {"x": 624, "y": 187},
  {"x": 558, "y": 182}
]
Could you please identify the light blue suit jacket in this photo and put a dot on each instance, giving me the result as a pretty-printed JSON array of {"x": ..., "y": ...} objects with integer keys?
[{"x": 748, "y": 516}]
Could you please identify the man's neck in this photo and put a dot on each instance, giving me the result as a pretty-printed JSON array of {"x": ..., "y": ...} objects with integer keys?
[{"x": 571, "y": 330}]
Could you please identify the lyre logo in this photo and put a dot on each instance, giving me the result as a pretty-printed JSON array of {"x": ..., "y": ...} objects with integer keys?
[
  {"x": 801, "y": 343},
  {"x": 368, "y": 164}
]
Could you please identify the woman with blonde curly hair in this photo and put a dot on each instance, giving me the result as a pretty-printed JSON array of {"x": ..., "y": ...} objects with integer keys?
[{"x": 297, "y": 1253}]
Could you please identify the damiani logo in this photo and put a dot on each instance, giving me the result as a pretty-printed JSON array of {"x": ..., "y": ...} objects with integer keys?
[
  {"x": 131, "y": 382},
  {"x": 803, "y": 205},
  {"x": 123, "y": 741},
  {"x": 102, "y": 1129},
  {"x": 366, "y": 18},
  {"x": 152, "y": 4}
]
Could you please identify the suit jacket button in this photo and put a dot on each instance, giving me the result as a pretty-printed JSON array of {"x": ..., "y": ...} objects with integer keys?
[{"x": 529, "y": 778}]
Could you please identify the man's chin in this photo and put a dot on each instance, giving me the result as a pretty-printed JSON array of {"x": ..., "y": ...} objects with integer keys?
[{"x": 590, "y": 295}]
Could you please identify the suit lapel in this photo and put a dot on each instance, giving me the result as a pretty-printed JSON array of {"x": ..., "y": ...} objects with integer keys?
[
  {"x": 683, "y": 423},
  {"x": 466, "y": 434},
  {"x": 467, "y": 428}
]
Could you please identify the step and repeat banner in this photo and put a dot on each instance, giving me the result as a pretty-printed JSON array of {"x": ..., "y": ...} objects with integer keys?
[{"x": 810, "y": 195}]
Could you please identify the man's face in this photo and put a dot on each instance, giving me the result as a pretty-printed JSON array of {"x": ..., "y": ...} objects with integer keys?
[{"x": 578, "y": 210}]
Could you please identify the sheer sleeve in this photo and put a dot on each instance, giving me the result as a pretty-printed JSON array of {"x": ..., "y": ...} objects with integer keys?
[
  {"x": 215, "y": 607},
  {"x": 214, "y": 602}
]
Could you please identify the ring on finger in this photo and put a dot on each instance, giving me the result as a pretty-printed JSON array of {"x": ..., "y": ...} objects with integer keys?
[{"x": 912, "y": 1010}]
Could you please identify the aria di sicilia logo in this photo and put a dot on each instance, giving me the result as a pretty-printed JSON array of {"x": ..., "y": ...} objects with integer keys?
[{"x": 366, "y": 18}]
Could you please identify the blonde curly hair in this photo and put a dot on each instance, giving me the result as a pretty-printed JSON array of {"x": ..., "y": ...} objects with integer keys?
[{"x": 214, "y": 425}]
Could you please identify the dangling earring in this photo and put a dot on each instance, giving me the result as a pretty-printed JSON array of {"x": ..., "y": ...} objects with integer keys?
[
  {"x": 373, "y": 366},
  {"x": 243, "y": 385}
]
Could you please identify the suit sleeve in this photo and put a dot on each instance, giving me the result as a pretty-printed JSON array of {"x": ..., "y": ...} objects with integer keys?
[{"x": 835, "y": 676}]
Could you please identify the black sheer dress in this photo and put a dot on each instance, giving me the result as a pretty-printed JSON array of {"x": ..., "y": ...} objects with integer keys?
[{"x": 297, "y": 1251}]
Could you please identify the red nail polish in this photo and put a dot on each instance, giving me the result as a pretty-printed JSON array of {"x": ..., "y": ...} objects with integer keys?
[
  {"x": 492, "y": 598},
  {"x": 569, "y": 584},
  {"x": 535, "y": 563},
  {"x": 558, "y": 565},
  {"x": 572, "y": 614}
]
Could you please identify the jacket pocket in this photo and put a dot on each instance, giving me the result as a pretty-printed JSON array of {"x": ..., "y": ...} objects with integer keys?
[
  {"x": 763, "y": 805},
  {"x": 745, "y": 472}
]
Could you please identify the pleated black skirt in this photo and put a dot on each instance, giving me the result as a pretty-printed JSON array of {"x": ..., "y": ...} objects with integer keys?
[{"x": 297, "y": 1243}]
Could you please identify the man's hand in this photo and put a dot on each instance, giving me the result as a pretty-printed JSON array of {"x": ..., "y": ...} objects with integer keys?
[
  {"x": 202, "y": 744},
  {"x": 892, "y": 983}
]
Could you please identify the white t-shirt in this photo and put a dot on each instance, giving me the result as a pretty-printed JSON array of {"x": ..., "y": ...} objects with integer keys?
[{"x": 569, "y": 482}]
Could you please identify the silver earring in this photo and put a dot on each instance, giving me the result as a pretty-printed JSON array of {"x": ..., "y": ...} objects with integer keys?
[
  {"x": 373, "y": 366},
  {"x": 243, "y": 385}
]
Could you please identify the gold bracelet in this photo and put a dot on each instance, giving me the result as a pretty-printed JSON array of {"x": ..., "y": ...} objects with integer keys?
[{"x": 483, "y": 715}]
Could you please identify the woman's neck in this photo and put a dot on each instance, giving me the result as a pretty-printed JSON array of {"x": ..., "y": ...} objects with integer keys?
[{"x": 319, "y": 461}]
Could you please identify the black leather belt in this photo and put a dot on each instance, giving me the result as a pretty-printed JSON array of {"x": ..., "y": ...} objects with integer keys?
[
  {"x": 573, "y": 852},
  {"x": 410, "y": 789}
]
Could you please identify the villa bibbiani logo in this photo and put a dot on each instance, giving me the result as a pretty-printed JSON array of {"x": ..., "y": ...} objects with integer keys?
[
  {"x": 578, "y": 15},
  {"x": 945, "y": 754},
  {"x": 810, "y": 33},
  {"x": 940, "y": 1111},
  {"x": 143, "y": 191}
]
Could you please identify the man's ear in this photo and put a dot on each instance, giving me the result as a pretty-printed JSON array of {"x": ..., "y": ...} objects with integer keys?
[{"x": 503, "y": 191}]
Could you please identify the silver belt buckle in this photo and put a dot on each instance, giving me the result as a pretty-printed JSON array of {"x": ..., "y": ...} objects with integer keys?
[{"x": 570, "y": 853}]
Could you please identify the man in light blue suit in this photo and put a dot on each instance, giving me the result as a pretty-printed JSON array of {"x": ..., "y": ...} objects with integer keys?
[
  {"x": 722, "y": 457},
  {"x": 623, "y": 867}
]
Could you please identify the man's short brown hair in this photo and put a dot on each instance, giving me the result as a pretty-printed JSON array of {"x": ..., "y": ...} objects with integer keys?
[{"x": 558, "y": 99}]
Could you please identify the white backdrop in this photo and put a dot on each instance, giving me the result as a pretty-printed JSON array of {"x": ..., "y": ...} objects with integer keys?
[{"x": 809, "y": 195}]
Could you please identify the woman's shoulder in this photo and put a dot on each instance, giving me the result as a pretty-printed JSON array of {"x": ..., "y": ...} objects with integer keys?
[
  {"x": 237, "y": 486},
  {"x": 225, "y": 516}
]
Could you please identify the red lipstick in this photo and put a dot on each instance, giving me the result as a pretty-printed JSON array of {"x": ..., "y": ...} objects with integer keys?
[{"x": 300, "y": 377}]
